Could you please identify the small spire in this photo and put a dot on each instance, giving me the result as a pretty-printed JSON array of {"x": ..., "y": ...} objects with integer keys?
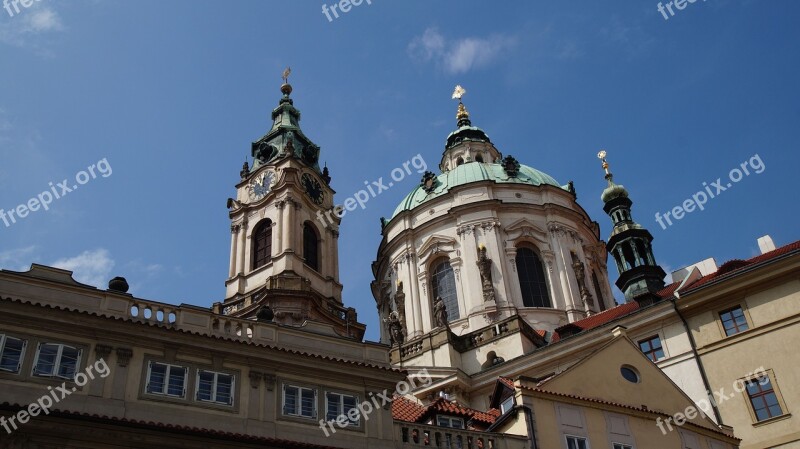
[
  {"x": 602, "y": 156},
  {"x": 463, "y": 114},
  {"x": 286, "y": 88}
]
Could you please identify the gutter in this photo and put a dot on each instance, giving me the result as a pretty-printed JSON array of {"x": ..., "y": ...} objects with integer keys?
[{"x": 693, "y": 276}]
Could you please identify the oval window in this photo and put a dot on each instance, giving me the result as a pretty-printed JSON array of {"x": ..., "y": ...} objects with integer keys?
[{"x": 630, "y": 374}]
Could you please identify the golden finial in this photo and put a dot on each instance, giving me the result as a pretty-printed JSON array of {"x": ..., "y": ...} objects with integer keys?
[
  {"x": 602, "y": 156},
  {"x": 458, "y": 93},
  {"x": 286, "y": 88},
  {"x": 481, "y": 247}
]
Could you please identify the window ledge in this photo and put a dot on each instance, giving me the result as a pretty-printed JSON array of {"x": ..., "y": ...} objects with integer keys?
[{"x": 772, "y": 420}]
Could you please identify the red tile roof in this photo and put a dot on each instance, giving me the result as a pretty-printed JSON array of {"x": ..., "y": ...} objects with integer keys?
[
  {"x": 725, "y": 271},
  {"x": 407, "y": 410},
  {"x": 734, "y": 267}
]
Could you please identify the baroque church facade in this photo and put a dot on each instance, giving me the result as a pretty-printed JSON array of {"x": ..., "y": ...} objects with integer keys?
[{"x": 501, "y": 329}]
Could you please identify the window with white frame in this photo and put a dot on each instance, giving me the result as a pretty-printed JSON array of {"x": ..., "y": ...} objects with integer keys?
[
  {"x": 577, "y": 442},
  {"x": 337, "y": 404},
  {"x": 507, "y": 405},
  {"x": 299, "y": 401},
  {"x": 215, "y": 387},
  {"x": 622, "y": 446},
  {"x": 56, "y": 360},
  {"x": 11, "y": 352},
  {"x": 450, "y": 421},
  {"x": 167, "y": 380}
]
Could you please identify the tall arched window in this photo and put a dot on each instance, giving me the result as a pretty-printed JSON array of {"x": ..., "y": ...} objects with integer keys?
[
  {"x": 311, "y": 246},
  {"x": 262, "y": 243},
  {"x": 443, "y": 284},
  {"x": 531, "y": 279},
  {"x": 600, "y": 300}
]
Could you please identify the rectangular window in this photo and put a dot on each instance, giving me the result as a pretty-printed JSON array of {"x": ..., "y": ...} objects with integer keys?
[
  {"x": 167, "y": 380},
  {"x": 11, "y": 353},
  {"x": 651, "y": 347},
  {"x": 576, "y": 443},
  {"x": 507, "y": 405},
  {"x": 215, "y": 387},
  {"x": 622, "y": 446},
  {"x": 56, "y": 360},
  {"x": 763, "y": 398},
  {"x": 340, "y": 405},
  {"x": 299, "y": 401},
  {"x": 733, "y": 321},
  {"x": 450, "y": 421}
]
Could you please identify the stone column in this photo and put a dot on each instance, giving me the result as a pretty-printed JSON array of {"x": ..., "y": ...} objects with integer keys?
[
  {"x": 335, "y": 254},
  {"x": 512, "y": 279},
  {"x": 277, "y": 236},
  {"x": 471, "y": 289},
  {"x": 234, "y": 246},
  {"x": 243, "y": 247},
  {"x": 417, "y": 279}
]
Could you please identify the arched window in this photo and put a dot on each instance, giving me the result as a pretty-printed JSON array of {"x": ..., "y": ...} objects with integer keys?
[
  {"x": 311, "y": 246},
  {"x": 531, "y": 279},
  {"x": 459, "y": 161},
  {"x": 600, "y": 300},
  {"x": 443, "y": 284},
  {"x": 479, "y": 158},
  {"x": 262, "y": 243}
]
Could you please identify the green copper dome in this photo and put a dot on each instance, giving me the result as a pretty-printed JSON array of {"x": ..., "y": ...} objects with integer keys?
[{"x": 474, "y": 172}]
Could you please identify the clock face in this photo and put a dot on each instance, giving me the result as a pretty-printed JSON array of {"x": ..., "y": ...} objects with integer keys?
[
  {"x": 261, "y": 185},
  {"x": 313, "y": 188}
]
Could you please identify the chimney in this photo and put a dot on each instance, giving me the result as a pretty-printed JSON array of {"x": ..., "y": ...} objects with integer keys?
[{"x": 765, "y": 244}]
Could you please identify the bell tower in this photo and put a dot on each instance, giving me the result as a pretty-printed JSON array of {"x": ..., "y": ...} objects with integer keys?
[
  {"x": 284, "y": 263},
  {"x": 630, "y": 244}
]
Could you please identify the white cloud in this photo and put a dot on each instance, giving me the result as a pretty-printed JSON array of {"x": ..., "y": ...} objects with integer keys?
[
  {"x": 18, "y": 259},
  {"x": 24, "y": 28},
  {"x": 90, "y": 267},
  {"x": 460, "y": 55}
]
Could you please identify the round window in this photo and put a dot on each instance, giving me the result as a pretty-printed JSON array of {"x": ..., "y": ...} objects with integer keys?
[{"x": 630, "y": 374}]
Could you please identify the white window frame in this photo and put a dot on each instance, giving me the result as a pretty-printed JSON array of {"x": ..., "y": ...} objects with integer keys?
[
  {"x": 577, "y": 440},
  {"x": 57, "y": 361},
  {"x": 299, "y": 404},
  {"x": 165, "y": 389},
  {"x": 505, "y": 406},
  {"x": 341, "y": 411},
  {"x": 3, "y": 340},
  {"x": 214, "y": 385},
  {"x": 450, "y": 420},
  {"x": 621, "y": 446}
]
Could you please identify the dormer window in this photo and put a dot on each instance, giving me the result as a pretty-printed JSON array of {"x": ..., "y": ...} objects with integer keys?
[
  {"x": 450, "y": 422},
  {"x": 507, "y": 405}
]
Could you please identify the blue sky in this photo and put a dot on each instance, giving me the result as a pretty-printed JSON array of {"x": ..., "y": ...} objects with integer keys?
[{"x": 171, "y": 93}]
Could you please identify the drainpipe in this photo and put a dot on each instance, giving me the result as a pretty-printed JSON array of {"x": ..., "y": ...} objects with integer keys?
[
  {"x": 675, "y": 298},
  {"x": 531, "y": 430}
]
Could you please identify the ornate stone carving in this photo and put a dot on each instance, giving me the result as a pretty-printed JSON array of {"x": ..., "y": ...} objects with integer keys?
[
  {"x": 395, "y": 327},
  {"x": 255, "y": 378},
  {"x": 124, "y": 356},
  {"x": 580, "y": 275},
  {"x": 485, "y": 269},
  {"x": 102, "y": 351},
  {"x": 440, "y": 313},
  {"x": 269, "y": 379},
  {"x": 400, "y": 303}
]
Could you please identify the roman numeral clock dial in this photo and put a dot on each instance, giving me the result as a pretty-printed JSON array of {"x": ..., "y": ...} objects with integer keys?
[{"x": 313, "y": 188}]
